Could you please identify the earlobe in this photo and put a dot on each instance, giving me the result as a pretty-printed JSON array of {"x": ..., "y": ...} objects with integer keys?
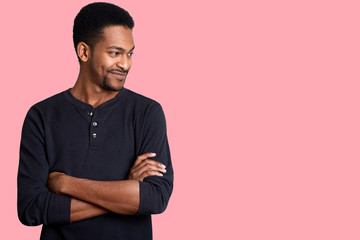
[{"x": 83, "y": 51}]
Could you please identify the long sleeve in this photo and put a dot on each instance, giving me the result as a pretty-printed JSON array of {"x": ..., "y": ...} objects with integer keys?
[
  {"x": 36, "y": 204},
  {"x": 155, "y": 191}
]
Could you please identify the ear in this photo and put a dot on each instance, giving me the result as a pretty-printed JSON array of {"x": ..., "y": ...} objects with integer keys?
[{"x": 83, "y": 51}]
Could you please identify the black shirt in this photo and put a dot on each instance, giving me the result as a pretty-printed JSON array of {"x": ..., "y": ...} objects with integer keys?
[{"x": 64, "y": 134}]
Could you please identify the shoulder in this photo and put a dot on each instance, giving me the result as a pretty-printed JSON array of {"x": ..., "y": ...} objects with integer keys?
[
  {"x": 139, "y": 98},
  {"x": 144, "y": 109},
  {"x": 140, "y": 101},
  {"x": 48, "y": 106},
  {"x": 37, "y": 114},
  {"x": 50, "y": 102}
]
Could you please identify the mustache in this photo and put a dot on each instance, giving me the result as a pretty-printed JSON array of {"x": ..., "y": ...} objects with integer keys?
[{"x": 117, "y": 70}]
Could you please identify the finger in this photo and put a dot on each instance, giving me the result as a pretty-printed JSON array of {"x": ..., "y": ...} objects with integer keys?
[
  {"x": 136, "y": 174},
  {"x": 144, "y": 173},
  {"x": 144, "y": 156},
  {"x": 148, "y": 163},
  {"x": 147, "y": 168},
  {"x": 149, "y": 173}
]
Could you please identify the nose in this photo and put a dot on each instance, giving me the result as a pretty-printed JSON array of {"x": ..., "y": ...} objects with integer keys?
[{"x": 124, "y": 62}]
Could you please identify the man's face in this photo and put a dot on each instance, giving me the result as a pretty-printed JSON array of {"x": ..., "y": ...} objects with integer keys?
[{"x": 111, "y": 58}]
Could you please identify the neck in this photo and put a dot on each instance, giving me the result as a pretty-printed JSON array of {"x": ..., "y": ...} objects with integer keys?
[{"x": 87, "y": 91}]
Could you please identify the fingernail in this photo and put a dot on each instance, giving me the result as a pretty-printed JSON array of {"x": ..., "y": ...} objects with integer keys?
[
  {"x": 163, "y": 165},
  {"x": 153, "y": 154}
]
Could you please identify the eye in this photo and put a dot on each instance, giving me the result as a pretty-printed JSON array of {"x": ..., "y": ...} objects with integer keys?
[
  {"x": 130, "y": 54},
  {"x": 114, "y": 53}
]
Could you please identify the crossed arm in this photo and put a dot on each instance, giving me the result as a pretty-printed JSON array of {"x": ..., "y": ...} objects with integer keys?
[
  {"x": 57, "y": 198},
  {"x": 93, "y": 198}
]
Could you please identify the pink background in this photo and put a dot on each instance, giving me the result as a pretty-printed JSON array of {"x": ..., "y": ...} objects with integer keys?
[{"x": 261, "y": 99}]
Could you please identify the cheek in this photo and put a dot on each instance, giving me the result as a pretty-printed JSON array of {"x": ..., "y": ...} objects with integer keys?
[
  {"x": 108, "y": 63},
  {"x": 101, "y": 61}
]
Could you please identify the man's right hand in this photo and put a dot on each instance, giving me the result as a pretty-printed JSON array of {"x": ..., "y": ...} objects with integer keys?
[{"x": 144, "y": 167}]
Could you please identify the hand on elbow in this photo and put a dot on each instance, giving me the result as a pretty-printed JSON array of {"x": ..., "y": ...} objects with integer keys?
[{"x": 145, "y": 167}]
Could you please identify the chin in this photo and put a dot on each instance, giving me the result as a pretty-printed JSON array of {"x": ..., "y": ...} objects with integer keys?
[
  {"x": 114, "y": 89},
  {"x": 108, "y": 85}
]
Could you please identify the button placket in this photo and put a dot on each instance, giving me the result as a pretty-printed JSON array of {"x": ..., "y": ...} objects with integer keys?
[
  {"x": 94, "y": 130},
  {"x": 94, "y": 124}
]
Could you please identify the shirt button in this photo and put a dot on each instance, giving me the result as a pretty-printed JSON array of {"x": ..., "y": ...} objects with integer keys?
[
  {"x": 94, "y": 124},
  {"x": 90, "y": 113},
  {"x": 94, "y": 135}
]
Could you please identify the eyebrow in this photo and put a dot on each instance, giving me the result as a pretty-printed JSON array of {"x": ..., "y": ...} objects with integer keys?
[{"x": 120, "y": 48}]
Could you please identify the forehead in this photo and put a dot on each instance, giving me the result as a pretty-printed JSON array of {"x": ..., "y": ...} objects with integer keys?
[{"x": 117, "y": 36}]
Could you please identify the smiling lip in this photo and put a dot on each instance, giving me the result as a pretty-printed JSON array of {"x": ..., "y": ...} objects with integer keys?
[{"x": 119, "y": 74}]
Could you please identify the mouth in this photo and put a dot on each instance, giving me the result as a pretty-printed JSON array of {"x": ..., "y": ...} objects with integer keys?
[{"x": 119, "y": 75}]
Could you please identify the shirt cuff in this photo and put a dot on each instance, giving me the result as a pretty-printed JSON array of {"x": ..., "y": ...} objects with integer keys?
[{"x": 59, "y": 209}]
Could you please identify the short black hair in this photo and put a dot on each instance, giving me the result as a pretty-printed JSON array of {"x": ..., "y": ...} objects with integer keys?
[{"x": 94, "y": 17}]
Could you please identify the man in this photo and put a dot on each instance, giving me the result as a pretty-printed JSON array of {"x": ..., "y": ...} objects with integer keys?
[{"x": 94, "y": 160}]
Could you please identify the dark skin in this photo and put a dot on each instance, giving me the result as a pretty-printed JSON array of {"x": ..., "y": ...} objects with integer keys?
[
  {"x": 93, "y": 198},
  {"x": 108, "y": 61},
  {"x": 103, "y": 71}
]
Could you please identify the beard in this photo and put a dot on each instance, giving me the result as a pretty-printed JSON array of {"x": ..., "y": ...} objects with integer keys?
[
  {"x": 106, "y": 81},
  {"x": 108, "y": 86}
]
